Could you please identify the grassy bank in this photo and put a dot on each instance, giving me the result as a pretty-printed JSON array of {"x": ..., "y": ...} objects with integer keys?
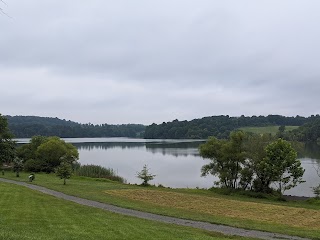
[
  {"x": 269, "y": 129},
  {"x": 293, "y": 218},
  {"x": 26, "y": 214}
]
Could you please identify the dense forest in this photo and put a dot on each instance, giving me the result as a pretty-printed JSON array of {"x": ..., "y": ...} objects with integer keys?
[
  {"x": 217, "y": 126},
  {"x": 221, "y": 126},
  {"x": 309, "y": 132},
  {"x": 28, "y": 126}
]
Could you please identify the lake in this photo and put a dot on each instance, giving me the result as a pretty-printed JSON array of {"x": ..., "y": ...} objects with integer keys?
[{"x": 176, "y": 163}]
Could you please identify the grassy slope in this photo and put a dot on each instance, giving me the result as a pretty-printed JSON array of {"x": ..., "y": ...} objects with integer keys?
[
  {"x": 27, "y": 214},
  {"x": 98, "y": 190},
  {"x": 269, "y": 129}
]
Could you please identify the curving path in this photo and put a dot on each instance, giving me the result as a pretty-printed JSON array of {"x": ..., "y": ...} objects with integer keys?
[{"x": 150, "y": 216}]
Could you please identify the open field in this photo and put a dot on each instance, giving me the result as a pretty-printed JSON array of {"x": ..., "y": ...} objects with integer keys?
[
  {"x": 269, "y": 129},
  {"x": 28, "y": 214},
  {"x": 220, "y": 207},
  {"x": 293, "y": 218}
]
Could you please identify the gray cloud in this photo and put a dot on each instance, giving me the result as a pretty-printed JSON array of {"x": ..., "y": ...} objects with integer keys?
[{"x": 153, "y": 61}]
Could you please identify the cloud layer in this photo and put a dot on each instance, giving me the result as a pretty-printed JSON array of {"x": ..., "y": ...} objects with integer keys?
[{"x": 153, "y": 61}]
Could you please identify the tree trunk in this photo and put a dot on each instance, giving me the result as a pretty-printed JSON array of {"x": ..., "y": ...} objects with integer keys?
[
  {"x": 64, "y": 181},
  {"x": 17, "y": 174}
]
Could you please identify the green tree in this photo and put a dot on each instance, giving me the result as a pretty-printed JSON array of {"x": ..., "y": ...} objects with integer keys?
[
  {"x": 145, "y": 175},
  {"x": 227, "y": 159},
  {"x": 28, "y": 151},
  {"x": 46, "y": 153},
  {"x": 246, "y": 161},
  {"x": 272, "y": 161},
  {"x": 64, "y": 171},
  {"x": 281, "y": 131},
  {"x": 32, "y": 165},
  {"x": 255, "y": 145},
  {"x": 52, "y": 152},
  {"x": 282, "y": 165},
  {"x": 7, "y": 145}
]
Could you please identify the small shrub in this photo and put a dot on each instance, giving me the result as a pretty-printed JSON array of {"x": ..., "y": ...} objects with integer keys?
[
  {"x": 248, "y": 193},
  {"x": 316, "y": 191},
  {"x": 64, "y": 171},
  {"x": 32, "y": 165},
  {"x": 145, "y": 175}
]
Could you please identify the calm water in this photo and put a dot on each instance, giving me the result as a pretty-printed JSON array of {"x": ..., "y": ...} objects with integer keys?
[{"x": 176, "y": 163}]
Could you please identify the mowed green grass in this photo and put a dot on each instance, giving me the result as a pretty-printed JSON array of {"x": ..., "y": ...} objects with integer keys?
[
  {"x": 102, "y": 191},
  {"x": 28, "y": 214},
  {"x": 269, "y": 129}
]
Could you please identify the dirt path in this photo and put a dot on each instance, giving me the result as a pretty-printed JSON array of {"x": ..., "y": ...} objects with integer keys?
[{"x": 150, "y": 216}]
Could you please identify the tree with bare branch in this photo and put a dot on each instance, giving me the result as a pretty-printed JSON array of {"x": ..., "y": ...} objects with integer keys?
[{"x": 1, "y": 8}]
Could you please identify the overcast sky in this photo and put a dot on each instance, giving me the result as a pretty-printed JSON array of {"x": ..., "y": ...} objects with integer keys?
[{"x": 145, "y": 61}]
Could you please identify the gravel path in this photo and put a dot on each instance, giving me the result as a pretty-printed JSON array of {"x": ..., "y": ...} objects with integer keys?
[{"x": 150, "y": 216}]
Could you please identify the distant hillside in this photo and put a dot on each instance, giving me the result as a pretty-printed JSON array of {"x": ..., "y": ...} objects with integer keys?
[
  {"x": 28, "y": 126},
  {"x": 219, "y": 126},
  {"x": 309, "y": 132}
]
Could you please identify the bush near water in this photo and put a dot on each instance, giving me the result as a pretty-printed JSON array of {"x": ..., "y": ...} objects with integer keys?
[{"x": 95, "y": 171}]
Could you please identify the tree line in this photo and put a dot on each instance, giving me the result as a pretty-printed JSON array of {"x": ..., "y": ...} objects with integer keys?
[
  {"x": 309, "y": 132},
  {"x": 28, "y": 126},
  {"x": 219, "y": 126}
]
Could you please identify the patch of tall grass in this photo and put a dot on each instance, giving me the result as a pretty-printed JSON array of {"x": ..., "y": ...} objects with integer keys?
[{"x": 95, "y": 171}]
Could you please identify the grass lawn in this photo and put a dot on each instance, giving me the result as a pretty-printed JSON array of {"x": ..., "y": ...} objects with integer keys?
[
  {"x": 28, "y": 214},
  {"x": 293, "y": 218},
  {"x": 269, "y": 129}
]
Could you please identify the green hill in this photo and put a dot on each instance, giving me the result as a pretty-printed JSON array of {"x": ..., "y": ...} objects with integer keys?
[
  {"x": 219, "y": 126},
  {"x": 28, "y": 126}
]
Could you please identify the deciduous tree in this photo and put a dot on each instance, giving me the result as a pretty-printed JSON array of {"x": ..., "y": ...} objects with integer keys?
[
  {"x": 64, "y": 171},
  {"x": 255, "y": 145},
  {"x": 252, "y": 161},
  {"x": 46, "y": 153},
  {"x": 227, "y": 159},
  {"x": 282, "y": 165},
  {"x": 7, "y": 145}
]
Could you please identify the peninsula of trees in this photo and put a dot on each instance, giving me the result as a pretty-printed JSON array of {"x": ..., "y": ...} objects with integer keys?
[{"x": 221, "y": 126}]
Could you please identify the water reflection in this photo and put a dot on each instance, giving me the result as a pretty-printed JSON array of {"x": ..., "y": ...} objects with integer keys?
[
  {"x": 310, "y": 150},
  {"x": 174, "y": 149},
  {"x": 109, "y": 145},
  {"x": 176, "y": 163}
]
